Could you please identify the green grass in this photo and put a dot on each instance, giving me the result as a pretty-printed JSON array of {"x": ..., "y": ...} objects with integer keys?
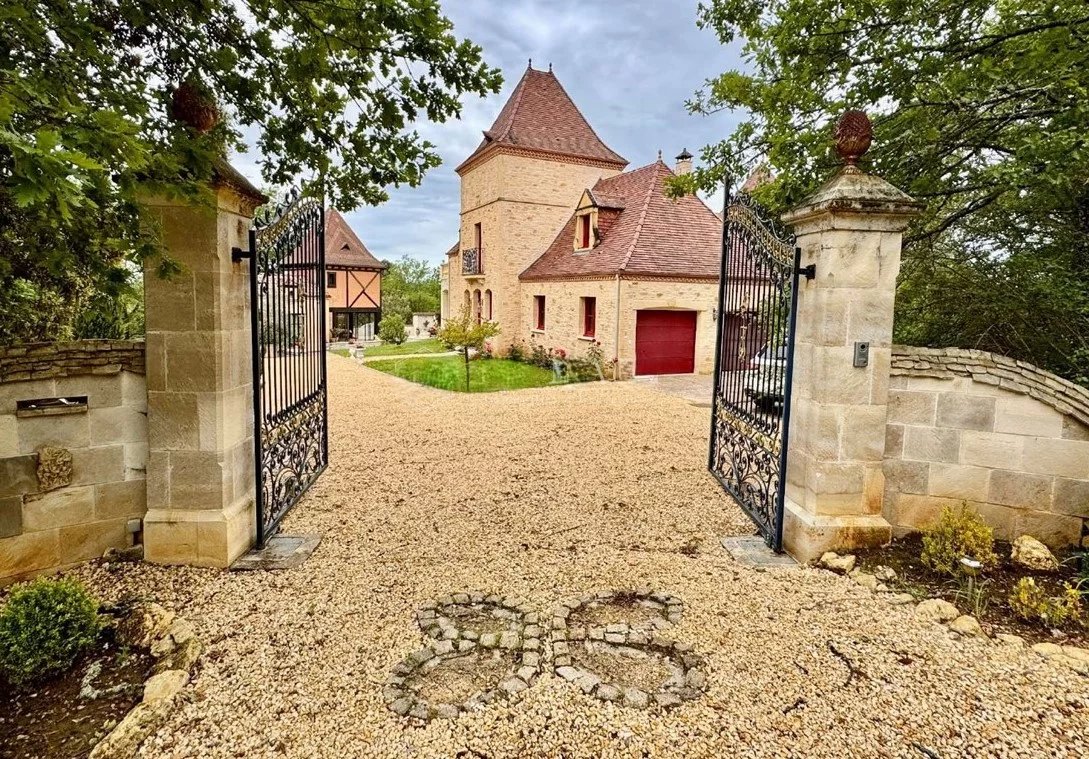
[
  {"x": 448, "y": 373},
  {"x": 430, "y": 345}
]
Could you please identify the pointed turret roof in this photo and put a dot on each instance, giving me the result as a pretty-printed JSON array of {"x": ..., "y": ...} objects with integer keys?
[{"x": 540, "y": 117}]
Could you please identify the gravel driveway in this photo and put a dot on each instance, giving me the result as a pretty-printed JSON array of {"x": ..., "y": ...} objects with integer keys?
[{"x": 548, "y": 494}]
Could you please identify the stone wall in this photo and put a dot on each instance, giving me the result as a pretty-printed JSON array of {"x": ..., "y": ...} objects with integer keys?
[
  {"x": 563, "y": 315},
  {"x": 521, "y": 202},
  {"x": 1008, "y": 438},
  {"x": 71, "y": 476}
]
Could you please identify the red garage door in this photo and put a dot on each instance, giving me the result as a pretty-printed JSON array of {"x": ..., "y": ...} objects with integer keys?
[{"x": 665, "y": 342}]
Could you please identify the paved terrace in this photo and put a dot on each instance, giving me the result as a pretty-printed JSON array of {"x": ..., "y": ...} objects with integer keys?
[{"x": 549, "y": 494}]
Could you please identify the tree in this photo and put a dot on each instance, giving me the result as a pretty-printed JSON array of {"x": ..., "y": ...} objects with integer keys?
[
  {"x": 464, "y": 333},
  {"x": 332, "y": 88},
  {"x": 411, "y": 285},
  {"x": 980, "y": 109},
  {"x": 392, "y": 328}
]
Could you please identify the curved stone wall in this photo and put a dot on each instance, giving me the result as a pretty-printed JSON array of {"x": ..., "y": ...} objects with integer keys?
[{"x": 1008, "y": 438}]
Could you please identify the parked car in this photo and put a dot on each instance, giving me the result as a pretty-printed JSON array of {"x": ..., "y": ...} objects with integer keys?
[{"x": 764, "y": 381}]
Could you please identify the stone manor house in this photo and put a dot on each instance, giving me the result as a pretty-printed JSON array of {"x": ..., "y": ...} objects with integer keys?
[{"x": 561, "y": 247}]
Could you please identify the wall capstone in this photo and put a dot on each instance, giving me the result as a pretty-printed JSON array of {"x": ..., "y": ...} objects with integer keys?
[
  {"x": 992, "y": 369},
  {"x": 32, "y": 361}
]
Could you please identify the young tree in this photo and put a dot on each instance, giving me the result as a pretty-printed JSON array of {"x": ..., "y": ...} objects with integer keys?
[
  {"x": 89, "y": 91},
  {"x": 392, "y": 328},
  {"x": 465, "y": 334},
  {"x": 980, "y": 109}
]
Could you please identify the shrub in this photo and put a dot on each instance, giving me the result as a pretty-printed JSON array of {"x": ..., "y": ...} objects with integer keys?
[
  {"x": 516, "y": 351},
  {"x": 960, "y": 533},
  {"x": 540, "y": 357},
  {"x": 1030, "y": 602},
  {"x": 44, "y": 626},
  {"x": 392, "y": 329}
]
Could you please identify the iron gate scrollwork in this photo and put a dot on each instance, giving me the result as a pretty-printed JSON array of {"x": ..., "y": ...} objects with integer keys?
[
  {"x": 287, "y": 295},
  {"x": 754, "y": 356}
]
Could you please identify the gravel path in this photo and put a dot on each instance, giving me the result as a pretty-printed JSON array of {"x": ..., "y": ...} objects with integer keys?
[{"x": 548, "y": 494}]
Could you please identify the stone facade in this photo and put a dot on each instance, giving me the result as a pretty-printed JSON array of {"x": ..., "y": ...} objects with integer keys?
[
  {"x": 520, "y": 203},
  {"x": 72, "y": 477},
  {"x": 1007, "y": 438},
  {"x": 564, "y": 315}
]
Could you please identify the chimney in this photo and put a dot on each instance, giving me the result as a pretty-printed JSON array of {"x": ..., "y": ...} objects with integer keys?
[{"x": 684, "y": 162}]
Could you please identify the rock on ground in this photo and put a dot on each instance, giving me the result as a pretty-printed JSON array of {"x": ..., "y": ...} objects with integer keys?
[
  {"x": 1032, "y": 554},
  {"x": 550, "y": 494},
  {"x": 968, "y": 626},
  {"x": 833, "y": 561},
  {"x": 936, "y": 610}
]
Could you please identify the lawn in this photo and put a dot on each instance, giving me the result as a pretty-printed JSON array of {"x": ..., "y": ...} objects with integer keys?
[
  {"x": 431, "y": 345},
  {"x": 448, "y": 373}
]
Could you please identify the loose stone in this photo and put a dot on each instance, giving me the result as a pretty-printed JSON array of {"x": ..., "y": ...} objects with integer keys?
[
  {"x": 937, "y": 610},
  {"x": 607, "y": 692}
]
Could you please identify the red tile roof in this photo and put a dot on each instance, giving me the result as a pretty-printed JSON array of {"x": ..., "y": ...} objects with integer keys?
[
  {"x": 540, "y": 116},
  {"x": 343, "y": 247},
  {"x": 653, "y": 235}
]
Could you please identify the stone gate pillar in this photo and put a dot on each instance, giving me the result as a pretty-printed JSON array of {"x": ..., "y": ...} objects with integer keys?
[
  {"x": 851, "y": 230},
  {"x": 200, "y": 470}
]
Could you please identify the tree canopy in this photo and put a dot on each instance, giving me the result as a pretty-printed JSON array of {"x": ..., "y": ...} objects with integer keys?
[
  {"x": 980, "y": 109},
  {"x": 410, "y": 285},
  {"x": 330, "y": 88}
]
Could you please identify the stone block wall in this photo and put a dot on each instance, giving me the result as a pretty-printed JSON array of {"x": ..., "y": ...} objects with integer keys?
[
  {"x": 1008, "y": 438},
  {"x": 563, "y": 315},
  {"x": 71, "y": 477},
  {"x": 521, "y": 202}
]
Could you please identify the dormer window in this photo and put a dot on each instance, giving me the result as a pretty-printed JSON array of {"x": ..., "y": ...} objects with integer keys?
[{"x": 583, "y": 232}]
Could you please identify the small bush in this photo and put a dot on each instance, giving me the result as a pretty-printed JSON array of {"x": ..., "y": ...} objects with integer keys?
[
  {"x": 516, "y": 351},
  {"x": 541, "y": 357},
  {"x": 1032, "y": 603},
  {"x": 960, "y": 533},
  {"x": 391, "y": 329},
  {"x": 44, "y": 627}
]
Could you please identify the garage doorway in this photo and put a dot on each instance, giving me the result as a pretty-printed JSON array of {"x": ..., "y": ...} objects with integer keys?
[{"x": 665, "y": 342}]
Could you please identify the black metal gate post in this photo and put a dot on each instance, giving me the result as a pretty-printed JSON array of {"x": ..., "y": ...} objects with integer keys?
[
  {"x": 754, "y": 363},
  {"x": 290, "y": 405}
]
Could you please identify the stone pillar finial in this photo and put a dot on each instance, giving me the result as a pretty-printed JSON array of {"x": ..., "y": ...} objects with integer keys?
[{"x": 854, "y": 135}]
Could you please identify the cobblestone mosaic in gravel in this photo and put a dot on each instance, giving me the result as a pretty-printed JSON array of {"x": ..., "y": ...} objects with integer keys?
[
  {"x": 487, "y": 647},
  {"x": 608, "y": 644},
  {"x": 492, "y": 647}
]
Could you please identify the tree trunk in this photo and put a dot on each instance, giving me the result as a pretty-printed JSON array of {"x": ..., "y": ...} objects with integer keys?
[{"x": 466, "y": 349}]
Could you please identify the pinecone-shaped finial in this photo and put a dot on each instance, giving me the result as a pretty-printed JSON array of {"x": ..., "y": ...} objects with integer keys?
[
  {"x": 854, "y": 133},
  {"x": 194, "y": 105}
]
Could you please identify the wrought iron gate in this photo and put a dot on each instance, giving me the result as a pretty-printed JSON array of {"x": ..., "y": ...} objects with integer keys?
[
  {"x": 287, "y": 297},
  {"x": 754, "y": 357}
]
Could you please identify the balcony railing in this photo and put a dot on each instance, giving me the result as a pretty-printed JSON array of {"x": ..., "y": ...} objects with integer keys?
[{"x": 471, "y": 263}]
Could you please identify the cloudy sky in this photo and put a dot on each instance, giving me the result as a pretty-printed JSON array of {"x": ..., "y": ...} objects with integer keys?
[{"x": 629, "y": 65}]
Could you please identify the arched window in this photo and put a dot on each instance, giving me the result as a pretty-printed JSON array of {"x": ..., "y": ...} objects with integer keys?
[
  {"x": 466, "y": 304},
  {"x": 488, "y": 304},
  {"x": 476, "y": 305}
]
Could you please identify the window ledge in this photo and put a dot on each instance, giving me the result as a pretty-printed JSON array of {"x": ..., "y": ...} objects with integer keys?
[
  {"x": 588, "y": 338},
  {"x": 537, "y": 331}
]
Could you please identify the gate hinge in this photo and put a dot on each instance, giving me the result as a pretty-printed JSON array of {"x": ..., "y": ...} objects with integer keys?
[
  {"x": 809, "y": 272},
  {"x": 237, "y": 254}
]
